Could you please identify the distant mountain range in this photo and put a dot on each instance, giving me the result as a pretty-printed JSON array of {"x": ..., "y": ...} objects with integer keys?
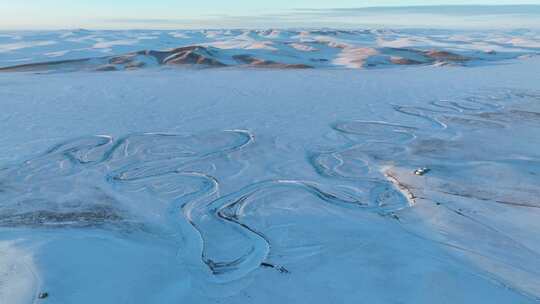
[{"x": 277, "y": 49}]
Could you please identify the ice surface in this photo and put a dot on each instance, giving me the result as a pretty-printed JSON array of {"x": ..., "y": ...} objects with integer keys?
[{"x": 263, "y": 186}]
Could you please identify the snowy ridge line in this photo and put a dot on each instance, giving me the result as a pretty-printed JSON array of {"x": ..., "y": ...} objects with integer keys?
[{"x": 276, "y": 49}]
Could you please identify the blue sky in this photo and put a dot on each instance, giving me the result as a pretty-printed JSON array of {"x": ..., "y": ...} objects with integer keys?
[{"x": 51, "y": 14}]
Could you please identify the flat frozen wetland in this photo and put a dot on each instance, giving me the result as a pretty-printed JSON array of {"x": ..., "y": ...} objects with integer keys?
[{"x": 269, "y": 167}]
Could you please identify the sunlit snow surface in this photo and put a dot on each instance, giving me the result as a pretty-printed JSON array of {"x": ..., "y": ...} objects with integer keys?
[{"x": 270, "y": 186}]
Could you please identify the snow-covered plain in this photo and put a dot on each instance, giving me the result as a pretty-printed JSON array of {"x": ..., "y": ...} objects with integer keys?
[{"x": 237, "y": 185}]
